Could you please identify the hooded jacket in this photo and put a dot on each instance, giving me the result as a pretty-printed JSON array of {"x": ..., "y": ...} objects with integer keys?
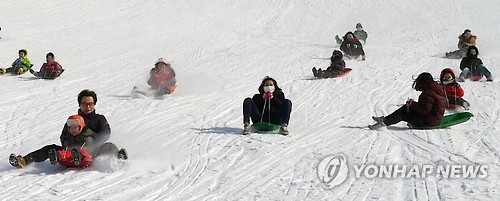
[
  {"x": 337, "y": 64},
  {"x": 22, "y": 62},
  {"x": 162, "y": 77},
  {"x": 471, "y": 61},
  {"x": 451, "y": 89},
  {"x": 464, "y": 42},
  {"x": 352, "y": 47},
  {"x": 431, "y": 104}
]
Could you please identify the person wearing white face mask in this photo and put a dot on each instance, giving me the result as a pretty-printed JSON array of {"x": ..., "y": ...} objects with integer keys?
[{"x": 269, "y": 105}]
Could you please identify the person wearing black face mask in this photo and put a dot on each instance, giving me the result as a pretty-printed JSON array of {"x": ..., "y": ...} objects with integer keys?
[
  {"x": 269, "y": 105},
  {"x": 471, "y": 65}
]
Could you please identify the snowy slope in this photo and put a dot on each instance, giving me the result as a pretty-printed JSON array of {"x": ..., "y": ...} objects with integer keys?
[{"x": 188, "y": 146}]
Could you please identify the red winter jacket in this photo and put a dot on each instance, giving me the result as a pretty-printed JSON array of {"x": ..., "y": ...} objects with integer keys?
[
  {"x": 452, "y": 89},
  {"x": 51, "y": 67},
  {"x": 431, "y": 104},
  {"x": 162, "y": 77}
]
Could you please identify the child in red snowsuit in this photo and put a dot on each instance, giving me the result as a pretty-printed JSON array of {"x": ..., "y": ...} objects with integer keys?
[{"x": 453, "y": 90}]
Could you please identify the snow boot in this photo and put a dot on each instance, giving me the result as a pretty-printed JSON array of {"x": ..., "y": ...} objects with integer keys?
[
  {"x": 461, "y": 78},
  {"x": 378, "y": 119},
  {"x": 77, "y": 157},
  {"x": 33, "y": 72},
  {"x": 284, "y": 129},
  {"x": 17, "y": 161},
  {"x": 377, "y": 126},
  {"x": 246, "y": 128},
  {"x": 53, "y": 156},
  {"x": 315, "y": 72},
  {"x": 122, "y": 154}
]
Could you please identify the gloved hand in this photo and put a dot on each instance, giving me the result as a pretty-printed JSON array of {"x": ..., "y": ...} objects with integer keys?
[
  {"x": 268, "y": 95},
  {"x": 20, "y": 71}
]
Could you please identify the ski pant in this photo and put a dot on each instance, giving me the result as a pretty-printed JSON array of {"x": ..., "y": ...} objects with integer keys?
[
  {"x": 42, "y": 154},
  {"x": 48, "y": 75},
  {"x": 481, "y": 70},
  {"x": 407, "y": 115},
  {"x": 250, "y": 110}
]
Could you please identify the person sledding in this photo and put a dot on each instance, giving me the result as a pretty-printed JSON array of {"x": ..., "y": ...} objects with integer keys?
[
  {"x": 452, "y": 90},
  {"x": 465, "y": 40},
  {"x": 20, "y": 65},
  {"x": 336, "y": 67},
  {"x": 472, "y": 66},
  {"x": 84, "y": 135},
  {"x": 51, "y": 69},
  {"x": 427, "y": 111},
  {"x": 351, "y": 47},
  {"x": 76, "y": 139},
  {"x": 360, "y": 34},
  {"x": 269, "y": 105},
  {"x": 162, "y": 78}
]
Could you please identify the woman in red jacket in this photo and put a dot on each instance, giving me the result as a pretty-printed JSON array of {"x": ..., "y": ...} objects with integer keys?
[
  {"x": 428, "y": 111},
  {"x": 452, "y": 90}
]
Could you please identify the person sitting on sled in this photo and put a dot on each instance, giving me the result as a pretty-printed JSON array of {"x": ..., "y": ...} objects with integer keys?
[
  {"x": 269, "y": 105},
  {"x": 465, "y": 40},
  {"x": 50, "y": 69},
  {"x": 360, "y": 34},
  {"x": 336, "y": 67},
  {"x": 428, "y": 111},
  {"x": 452, "y": 90},
  {"x": 352, "y": 47},
  {"x": 77, "y": 136},
  {"x": 162, "y": 77},
  {"x": 471, "y": 66},
  {"x": 20, "y": 65}
]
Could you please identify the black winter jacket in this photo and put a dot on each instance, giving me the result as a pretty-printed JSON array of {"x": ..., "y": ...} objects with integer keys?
[{"x": 276, "y": 103}]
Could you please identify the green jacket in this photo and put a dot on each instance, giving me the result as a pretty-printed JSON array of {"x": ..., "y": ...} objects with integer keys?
[
  {"x": 22, "y": 63},
  {"x": 71, "y": 141},
  {"x": 361, "y": 34}
]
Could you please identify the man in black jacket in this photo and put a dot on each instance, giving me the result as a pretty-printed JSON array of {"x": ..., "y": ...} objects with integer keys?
[{"x": 97, "y": 123}]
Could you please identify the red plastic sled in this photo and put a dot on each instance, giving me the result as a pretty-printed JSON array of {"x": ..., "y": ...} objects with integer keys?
[
  {"x": 66, "y": 159},
  {"x": 344, "y": 72}
]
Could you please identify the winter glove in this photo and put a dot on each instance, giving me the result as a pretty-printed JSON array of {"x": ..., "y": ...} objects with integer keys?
[
  {"x": 267, "y": 95},
  {"x": 20, "y": 71}
]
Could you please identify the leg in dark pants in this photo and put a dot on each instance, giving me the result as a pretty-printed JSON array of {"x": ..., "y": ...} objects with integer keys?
[
  {"x": 286, "y": 109},
  {"x": 402, "y": 114},
  {"x": 41, "y": 154},
  {"x": 107, "y": 148},
  {"x": 250, "y": 110}
]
